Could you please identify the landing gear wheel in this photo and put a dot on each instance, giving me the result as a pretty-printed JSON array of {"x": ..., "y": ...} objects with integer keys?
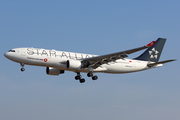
[
  {"x": 90, "y": 74},
  {"x": 77, "y": 77},
  {"x": 82, "y": 80},
  {"x": 22, "y": 69},
  {"x": 95, "y": 77}
]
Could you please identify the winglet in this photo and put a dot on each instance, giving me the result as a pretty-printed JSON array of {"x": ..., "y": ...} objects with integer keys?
[{"x": 150, "y": 44}]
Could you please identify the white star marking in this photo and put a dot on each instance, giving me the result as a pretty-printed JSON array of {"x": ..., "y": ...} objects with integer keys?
[{"x": 153, "y": 53}]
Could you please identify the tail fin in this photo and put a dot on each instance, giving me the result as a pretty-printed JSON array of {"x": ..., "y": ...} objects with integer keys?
[{"x": 154, "y": 52}]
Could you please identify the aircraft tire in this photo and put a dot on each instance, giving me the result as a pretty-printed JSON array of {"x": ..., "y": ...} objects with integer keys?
[
  {"x": 22, "y": 69},
  {"x": 82, "y": 80},
  {"x": 89, "y": 74},
  {"x": 95, "y": 77},
  {"x": 77, "y": 77}
]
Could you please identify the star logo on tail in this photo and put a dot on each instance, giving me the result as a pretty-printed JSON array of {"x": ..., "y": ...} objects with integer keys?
[{"x": 153, "y": 53}]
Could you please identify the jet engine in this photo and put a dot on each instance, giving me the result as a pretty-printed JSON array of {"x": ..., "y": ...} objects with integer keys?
[
  {"x": 73, "y": 64},
  {"x": 53, "y": 71}
]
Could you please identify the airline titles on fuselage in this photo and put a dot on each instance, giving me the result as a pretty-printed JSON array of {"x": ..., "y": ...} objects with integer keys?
[{"x": 53, "y": 53}]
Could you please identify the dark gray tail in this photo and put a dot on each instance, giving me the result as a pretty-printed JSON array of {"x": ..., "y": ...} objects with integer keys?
[{"x": 154, "y": 52}]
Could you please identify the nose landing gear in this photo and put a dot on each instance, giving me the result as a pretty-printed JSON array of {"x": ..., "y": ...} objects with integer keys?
[{"x": 22, "y": 65}]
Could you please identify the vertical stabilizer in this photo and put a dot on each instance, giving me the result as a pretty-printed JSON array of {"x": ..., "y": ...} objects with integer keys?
[{"x": 154, "y": 52}]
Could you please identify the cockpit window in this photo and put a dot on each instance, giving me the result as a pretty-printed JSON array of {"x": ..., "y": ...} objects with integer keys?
[{"x": 11, "y": 51}]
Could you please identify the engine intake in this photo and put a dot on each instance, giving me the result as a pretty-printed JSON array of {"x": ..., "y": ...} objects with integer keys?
[{"x": 53, "y": 71}]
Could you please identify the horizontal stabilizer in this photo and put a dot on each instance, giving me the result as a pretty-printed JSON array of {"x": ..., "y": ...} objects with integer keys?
[{"x": 162, "y": 62}]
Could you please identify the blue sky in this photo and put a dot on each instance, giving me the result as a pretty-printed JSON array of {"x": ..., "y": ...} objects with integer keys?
[{"x": 95, "y": 27}]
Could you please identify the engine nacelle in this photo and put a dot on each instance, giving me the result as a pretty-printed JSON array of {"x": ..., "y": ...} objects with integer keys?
[
  {"x": 53, "y": 71},
  {"x": 73, "y": 64}
]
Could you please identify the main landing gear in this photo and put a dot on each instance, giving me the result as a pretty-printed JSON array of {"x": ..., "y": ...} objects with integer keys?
[
  {"x": 78, "y": 77},
  {"x": 22, "y": 65},
  {"x": 82, "y": 80},
  {"x": 91, "y": 75}
]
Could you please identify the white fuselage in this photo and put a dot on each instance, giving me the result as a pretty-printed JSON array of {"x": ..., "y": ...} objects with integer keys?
[{"x": 57, "y": 59}]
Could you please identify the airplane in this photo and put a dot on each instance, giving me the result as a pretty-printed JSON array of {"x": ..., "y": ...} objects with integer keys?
[{"x": 57, "y": 62}]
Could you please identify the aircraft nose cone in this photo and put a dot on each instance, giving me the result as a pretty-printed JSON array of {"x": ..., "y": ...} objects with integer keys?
[{"x": 6, "y": 54}]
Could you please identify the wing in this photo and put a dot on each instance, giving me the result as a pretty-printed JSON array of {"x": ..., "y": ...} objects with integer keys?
[{"x": 95, "y": 62}]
